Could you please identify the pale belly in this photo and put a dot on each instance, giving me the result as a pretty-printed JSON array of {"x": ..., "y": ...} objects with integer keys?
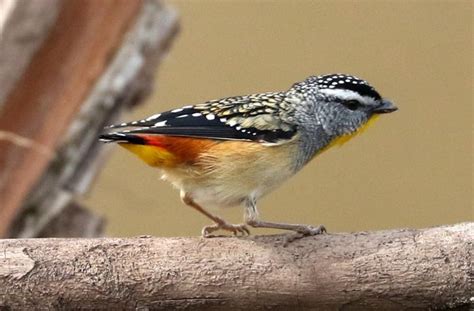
[
  {"x": 232, "y": 177},
  {"x": 232, "y": 192}
]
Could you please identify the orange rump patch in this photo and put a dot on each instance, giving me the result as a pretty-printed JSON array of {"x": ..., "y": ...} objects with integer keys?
[{"x": 169, "y": 151}]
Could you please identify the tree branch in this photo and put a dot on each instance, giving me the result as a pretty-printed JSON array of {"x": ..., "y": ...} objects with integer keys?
[{"x": 398, "y": 269}]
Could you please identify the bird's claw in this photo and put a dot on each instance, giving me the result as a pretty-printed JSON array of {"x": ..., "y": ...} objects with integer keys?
[
  {"x": 304, "y": 231},
  {"x": 237, "y": 230},
  {"x": 310, "y": 230}
]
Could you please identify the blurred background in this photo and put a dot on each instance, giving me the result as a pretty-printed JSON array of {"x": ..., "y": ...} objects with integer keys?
[
  {"x": 413, "y": 168},
  {"x": 69, "y": 67}
]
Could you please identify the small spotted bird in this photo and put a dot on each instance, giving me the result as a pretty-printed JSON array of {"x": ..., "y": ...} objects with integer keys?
[{"x": 234, "y": 150}]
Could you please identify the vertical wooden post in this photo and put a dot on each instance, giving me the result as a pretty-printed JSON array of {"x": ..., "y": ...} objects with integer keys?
[{"x": 42, "y": 106}]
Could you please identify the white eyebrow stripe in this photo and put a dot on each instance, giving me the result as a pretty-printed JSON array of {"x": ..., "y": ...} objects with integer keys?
[{"x": 344, "y": 94}]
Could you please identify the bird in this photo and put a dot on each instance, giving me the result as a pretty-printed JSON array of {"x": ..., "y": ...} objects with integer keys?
[{"x": 233, "y": 151}]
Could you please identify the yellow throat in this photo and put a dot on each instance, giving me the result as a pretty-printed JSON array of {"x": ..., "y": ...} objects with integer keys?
[{"x": 341, "y": 140}]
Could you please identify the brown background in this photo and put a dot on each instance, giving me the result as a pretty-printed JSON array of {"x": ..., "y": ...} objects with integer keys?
[{"x": 413, "y": 168}]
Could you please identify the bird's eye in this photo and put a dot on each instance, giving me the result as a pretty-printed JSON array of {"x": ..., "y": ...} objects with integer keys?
[{"x": 351, "y": 104}]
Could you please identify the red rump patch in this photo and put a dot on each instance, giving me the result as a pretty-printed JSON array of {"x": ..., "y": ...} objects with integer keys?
[{"x": 186, "y": 149}]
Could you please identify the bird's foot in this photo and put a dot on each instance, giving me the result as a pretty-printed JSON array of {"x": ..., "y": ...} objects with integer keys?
[
  {"x": 304, "y": 231},
  {"x": 236, "y": 229}
]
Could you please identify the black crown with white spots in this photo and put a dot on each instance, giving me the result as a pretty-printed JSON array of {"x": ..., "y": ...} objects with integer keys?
[{"x": 346, "y": 82}]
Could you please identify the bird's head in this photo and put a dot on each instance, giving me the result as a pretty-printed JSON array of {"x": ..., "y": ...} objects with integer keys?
[{"x": 343, "y": 104}]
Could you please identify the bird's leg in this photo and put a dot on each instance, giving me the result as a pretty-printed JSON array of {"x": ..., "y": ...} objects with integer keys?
[
  {"x": 219, "y": 222},
  {"x": 251, "y": 219}
]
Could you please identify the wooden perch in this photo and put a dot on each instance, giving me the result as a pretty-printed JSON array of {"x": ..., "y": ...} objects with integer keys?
[{"x": 384, "y": 270}]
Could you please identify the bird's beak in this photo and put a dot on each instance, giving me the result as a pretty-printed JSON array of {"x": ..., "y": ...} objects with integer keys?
[{"x": 385, "y": 106}]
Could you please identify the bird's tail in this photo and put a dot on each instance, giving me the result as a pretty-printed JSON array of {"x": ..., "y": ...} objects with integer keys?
[
  {"x": 142, "y": 147},
  {"x": 119, "y": 137},
  {"x": 160, "y": 150}
]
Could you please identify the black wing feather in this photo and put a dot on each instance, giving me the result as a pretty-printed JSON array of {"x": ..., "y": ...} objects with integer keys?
[{"x": 220, "y": 119}]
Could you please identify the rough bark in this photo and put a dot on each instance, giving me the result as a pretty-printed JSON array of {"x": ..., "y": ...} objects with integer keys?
[
  {"x": 98, "y": 58},
  {"x": 384, "y": 270}
]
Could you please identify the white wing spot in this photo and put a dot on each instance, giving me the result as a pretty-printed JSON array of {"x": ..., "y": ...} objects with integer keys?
[
  {"x": 159, "y": 124},
  {"x": 197, "y": 114},
  {"x": 182, "y": 116},
  {"x": 155, "y": 116},
  {"x": 177, "y": 110},
  {"x": 223, "y": 119},
  {"x": 210, "y": 116}
]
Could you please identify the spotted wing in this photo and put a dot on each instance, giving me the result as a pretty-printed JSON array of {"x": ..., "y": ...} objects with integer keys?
[{"x": 263, "y": 117}]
